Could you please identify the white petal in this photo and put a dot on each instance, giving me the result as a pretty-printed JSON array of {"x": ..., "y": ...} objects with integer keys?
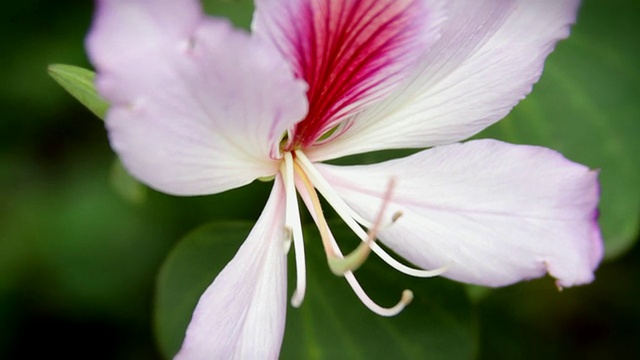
[
  {"x": 194, "y": 107},
  {"x": 242, "y": 314},
  {"x": 490, "y": 55},
  {"x": 350, "y": 52},
  {"x": 125, "y": 31},
  {"x": 498, "y": 213}
]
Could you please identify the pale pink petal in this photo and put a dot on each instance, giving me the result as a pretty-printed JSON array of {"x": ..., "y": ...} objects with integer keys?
[
  {"x": 194, "y": 109},
  {"x": 242, "y": 314},
  {"x": 125, "y": 32},
  {"x": 497, "y": 213},
  {"x": 490, "y": 55},
  {"x": 350, "y": 52}
]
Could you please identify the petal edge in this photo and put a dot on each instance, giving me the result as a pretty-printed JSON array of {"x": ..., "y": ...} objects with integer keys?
[
  {"x": 242, "y": 313},
  {"x": 499, "y": 213}
]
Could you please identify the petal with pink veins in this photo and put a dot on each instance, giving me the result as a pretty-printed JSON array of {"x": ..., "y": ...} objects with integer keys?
[
  {"x": 242, "y": 313},
  {"x": 194, "y": 109},
  {"x": 497, "y": 213},
  {"x": 350, "y": 52},
  {"x": 489, "y": 56}
]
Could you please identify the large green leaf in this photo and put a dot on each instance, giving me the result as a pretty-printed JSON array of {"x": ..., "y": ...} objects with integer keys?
[
  {"x": 586, "y": 106},
  {"x": 331, "y": 323},
  {"x": 79, "y": 82}
]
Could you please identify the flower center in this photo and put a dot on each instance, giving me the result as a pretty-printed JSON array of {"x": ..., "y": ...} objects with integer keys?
[{"x": 300, "y": 174}]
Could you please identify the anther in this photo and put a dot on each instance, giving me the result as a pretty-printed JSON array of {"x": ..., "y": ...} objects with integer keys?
[
  {"x": 296, "y": 298},
  {"x": 407, "y": 297}
]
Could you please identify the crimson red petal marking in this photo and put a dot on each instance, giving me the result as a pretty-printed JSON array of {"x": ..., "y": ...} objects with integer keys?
[{"x": 351, "y": 53}]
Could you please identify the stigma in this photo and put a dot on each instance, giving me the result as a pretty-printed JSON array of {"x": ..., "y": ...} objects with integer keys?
[{"x": 301, "y": 177}]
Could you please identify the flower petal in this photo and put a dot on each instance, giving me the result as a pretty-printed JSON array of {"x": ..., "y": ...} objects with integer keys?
[
  {"x": 498, "y": 213},
  {"x": 350, "y": 52},
  {"x": 489, "y": 56},
  {"x": 193, "y": 107},
  {"x": 242, "y": 314}
]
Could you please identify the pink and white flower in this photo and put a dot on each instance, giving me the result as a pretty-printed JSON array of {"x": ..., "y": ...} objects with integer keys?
[{"x": 199, "y": 107}]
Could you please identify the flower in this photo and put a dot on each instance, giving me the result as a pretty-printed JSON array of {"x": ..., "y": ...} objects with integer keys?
[{"x": 199, "y": 107}]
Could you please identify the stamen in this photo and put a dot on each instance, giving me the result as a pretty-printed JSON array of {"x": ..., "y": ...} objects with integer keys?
[
  {"x": 338, "y": 264},
  {"x": 293, "y": 225},
  {"x": 331, "y": 247},
  {"x": 407, "y": 297},
  {"x": 345, "y": 212},
  {"x": 314, "y": 175},
  {"x": 322, "y": 226},
  {"x": 358, "y": 256}
]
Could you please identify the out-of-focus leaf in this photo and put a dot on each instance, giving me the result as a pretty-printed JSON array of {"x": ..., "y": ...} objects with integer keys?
[
  {"x": 188, "y": 270},
  {"x": 331, "y": 323},
  {"x": 238, "y": 11},
  {"x": 79, "y": 82},
  {"x": 126, "y": 185},
  {"x": 586, "y": 106},
  {"x": 75, "y": 247}
]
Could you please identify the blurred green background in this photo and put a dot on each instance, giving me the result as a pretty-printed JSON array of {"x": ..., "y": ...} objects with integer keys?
[{"x": 78, "y": 262}]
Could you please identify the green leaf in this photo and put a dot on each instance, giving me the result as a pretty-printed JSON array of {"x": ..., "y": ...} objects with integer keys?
[
  {"x": 586, "y": 107},
  {"x": 331, "y": 323},
  {"x": 240, "y": 12},
  {"x": 188, "y": 270},
  {"x": 79, "y": 82}
]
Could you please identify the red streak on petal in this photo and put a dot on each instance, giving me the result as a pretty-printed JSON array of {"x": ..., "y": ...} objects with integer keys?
[{"x": 350, "y": 52}]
